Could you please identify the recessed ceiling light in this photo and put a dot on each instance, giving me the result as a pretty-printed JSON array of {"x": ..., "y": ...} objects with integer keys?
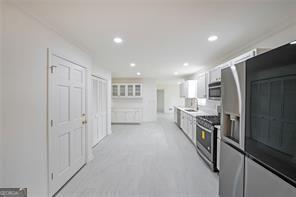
[
  {"x": 117, "y": 40},
  {"x": 179, "y": 83},
  {"x": 186, "y": 64},
  {"x": 213, "y": 38},
  {"x": 176, "y": 73},
  {"x": 132, "y": 64},
  {"x": 138, "y": 73},
  {"x": 294, "y": 42}
]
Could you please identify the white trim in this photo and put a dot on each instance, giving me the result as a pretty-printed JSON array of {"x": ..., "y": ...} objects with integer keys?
[
  {"x": 99, "y": 76},
  {"x": 50, "y": 53}
]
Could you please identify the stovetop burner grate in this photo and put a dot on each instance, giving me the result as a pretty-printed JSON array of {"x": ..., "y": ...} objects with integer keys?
[{"x": 213, "y": 120}]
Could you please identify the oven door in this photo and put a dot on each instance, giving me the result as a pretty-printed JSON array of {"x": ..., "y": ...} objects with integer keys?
[
  {"x": 204, "y": 141},
  {"x": 271, "y": 111}
]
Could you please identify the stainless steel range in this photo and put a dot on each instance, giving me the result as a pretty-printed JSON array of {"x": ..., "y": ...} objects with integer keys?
[{"x": 206, "y": 139}]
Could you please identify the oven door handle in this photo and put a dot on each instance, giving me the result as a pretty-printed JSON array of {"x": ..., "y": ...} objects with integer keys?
[
  {"x": 208, "y": 130},
  {"x": 215, "y": 87}
]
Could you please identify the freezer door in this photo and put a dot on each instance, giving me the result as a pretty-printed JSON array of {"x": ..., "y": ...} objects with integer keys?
[
  {"x": 231, "y": 177},
  {"x": 262, "y": 183}
]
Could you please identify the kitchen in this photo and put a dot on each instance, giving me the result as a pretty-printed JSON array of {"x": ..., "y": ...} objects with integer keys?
[
  {"x": 148, "y": 98},
  {"x": 229, "y": 136}
]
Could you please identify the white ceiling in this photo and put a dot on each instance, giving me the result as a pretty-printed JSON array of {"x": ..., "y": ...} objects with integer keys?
[{"x": 159, "y": 36}]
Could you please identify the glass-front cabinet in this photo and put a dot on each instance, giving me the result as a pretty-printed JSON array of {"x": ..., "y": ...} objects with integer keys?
[
  {"x": 122, "y": 90},
  {"x": 129, "y": 90},
  {"x": 138, "y": 90},
  {"x": 114, "y": 90}
]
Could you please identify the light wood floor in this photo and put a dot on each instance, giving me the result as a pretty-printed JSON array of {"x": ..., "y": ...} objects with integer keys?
[{"x": 147, "y": 160}]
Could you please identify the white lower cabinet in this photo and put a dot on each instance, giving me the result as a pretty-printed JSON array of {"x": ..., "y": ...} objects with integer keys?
[
  {"x": 193, "y": 134},
  {"x": 175, "y": 114},
  {"x": 130, "y": 115},
  {"x": 187, "y": 124},
  {"x": 190, "y": 125},
  {"x": 183, "y": 120}
]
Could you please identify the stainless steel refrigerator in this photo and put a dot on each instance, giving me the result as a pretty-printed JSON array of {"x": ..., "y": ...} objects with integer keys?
[{"x": 232, "y": 159}]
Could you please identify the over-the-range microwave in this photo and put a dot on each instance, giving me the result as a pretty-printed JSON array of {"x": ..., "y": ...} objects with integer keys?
[{"x": 215, "y": 91}]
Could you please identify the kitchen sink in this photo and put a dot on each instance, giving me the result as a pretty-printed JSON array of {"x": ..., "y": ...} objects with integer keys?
[{"x": 190, "y": 110}]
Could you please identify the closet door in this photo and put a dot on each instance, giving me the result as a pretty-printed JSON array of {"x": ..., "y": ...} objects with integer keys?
[
  {"x": 95, "y": 111},
  {"x": 101, "y": 118},
  {"x": 104, "y": 108},
  {"x": 99, "y": 108}
]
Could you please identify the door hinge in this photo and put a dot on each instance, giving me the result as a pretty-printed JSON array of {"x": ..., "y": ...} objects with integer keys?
[
  {"x": 51, "y": 176},
  {"x": 51, "y": 123},
  {"x": 51, "y": 68}
]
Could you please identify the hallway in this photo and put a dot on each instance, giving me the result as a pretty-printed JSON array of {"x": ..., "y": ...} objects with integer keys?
[{"x": 148, "y": 160}]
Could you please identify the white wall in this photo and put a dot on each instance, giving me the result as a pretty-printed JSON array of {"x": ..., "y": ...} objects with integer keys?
[
  {"x": 1, "y": 111},
  {"x": 25, "y": 44},
  {"x": 283, "y": 37},
  {"x": 171, "y": 97},
  {"x": 148, "y": 101}
]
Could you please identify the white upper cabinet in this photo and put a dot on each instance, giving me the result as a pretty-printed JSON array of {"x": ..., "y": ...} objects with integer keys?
[
  {"x": 182, "y": 90},
  {"x": 244, "y": 57},
  {"x": 215, "y": 75},
  {"x": 202, "y": 86},
  {"x": 115, "y": 90},
  {"x": 191, "y": 86},
  {"x": 122, "y": 90},
  {"x": 138, "y": 90},
  {"x": 248, "y": 55},
  {"x": 188, "y": 89},
  {"x": 126, "y": 90},
  {"x": 130, "y": 90}
]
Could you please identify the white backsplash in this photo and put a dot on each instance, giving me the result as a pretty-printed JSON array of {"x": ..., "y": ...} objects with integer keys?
[
  {"x": 191, "y": 103},
  {"x": 209, "y": 105},
  {"x": 206, "y": 105}
]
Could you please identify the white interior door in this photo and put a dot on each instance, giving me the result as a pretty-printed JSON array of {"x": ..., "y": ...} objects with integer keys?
[
  {"x": 99, "y": 109},
  {"x": 95, "y": 111},
  {"x": 104, "y": 107},
  {"x": 67, "y": 126}
]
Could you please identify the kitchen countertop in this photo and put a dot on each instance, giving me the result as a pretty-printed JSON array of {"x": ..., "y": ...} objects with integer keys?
[{"x": 194, "y": 114}]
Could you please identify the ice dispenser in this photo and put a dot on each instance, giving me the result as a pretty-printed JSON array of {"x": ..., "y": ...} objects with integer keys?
[{"x": 232, "y": 127}]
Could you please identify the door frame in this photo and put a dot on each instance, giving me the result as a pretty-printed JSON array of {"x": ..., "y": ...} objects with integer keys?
[{"x": 50, "y": 54}]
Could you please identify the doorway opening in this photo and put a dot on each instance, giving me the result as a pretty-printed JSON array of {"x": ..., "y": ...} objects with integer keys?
[{"x": 160, "y": 101}]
